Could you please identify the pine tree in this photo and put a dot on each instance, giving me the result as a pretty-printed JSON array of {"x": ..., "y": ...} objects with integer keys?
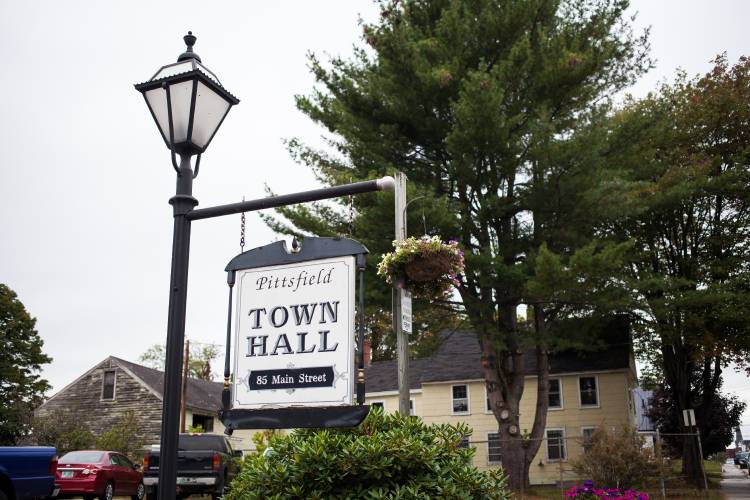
[
  {"x": 487, "y": 107},
  {"x": 21, "y": 358}
]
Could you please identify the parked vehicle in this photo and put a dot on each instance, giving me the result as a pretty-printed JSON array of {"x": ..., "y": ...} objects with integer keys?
[
  {"x": 27, "y": 472},
  {"x": 105, "y": 474},
  {"x": 743, "y": 459},
  {"x": 205, "y": 466}
]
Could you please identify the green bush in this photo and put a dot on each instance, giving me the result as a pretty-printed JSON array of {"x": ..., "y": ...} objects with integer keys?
[
  {"x": 387, "y": 456},
  {"x": 617, "y": 458},
  {"x": 63, "y": 430},
  {"x": 123, "y": 436}
]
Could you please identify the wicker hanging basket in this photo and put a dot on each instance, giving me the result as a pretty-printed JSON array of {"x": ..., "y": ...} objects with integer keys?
[
  {"x": 428, "y": 268},
  {"x": 425, "y": 266}
]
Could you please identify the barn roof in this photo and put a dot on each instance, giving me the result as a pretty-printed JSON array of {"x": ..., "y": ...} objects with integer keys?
[{"x": 200, "y": 394}]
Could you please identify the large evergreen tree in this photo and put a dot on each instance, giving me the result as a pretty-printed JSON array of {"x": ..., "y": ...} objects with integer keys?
[
  {"x": 486, "y": 106},
  {"x": 21, "y": 357}
]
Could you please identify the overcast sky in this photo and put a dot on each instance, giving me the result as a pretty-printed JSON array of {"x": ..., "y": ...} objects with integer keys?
[{"x": 85, "y": 227}]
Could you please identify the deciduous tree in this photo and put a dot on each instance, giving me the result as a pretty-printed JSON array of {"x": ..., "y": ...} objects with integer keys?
[
  {"x": 22, "y": 387},
  {"x": 685, "y": 181},
  {"x": 199, "y": 364}
]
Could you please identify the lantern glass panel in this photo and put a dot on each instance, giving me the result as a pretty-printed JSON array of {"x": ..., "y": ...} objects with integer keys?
[
  {"x": 174, "y": 69},
  {"x": 157, "y": 101},
  {"x": 180, "y": 95},
  {"x": 207, "y": 72},
  {"x": 210, "y": 109}
]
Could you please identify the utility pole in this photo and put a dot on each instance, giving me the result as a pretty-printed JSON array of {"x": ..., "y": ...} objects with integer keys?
[
  {"x": 185, "y": 366},
  {"x": 402, "y": 339}
]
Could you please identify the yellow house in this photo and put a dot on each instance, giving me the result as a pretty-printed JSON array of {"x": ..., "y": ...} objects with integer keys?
[{"x": 586, "y": 391}]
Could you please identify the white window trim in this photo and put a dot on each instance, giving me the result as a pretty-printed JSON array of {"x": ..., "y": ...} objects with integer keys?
[
  {"x": 562, "y": 399},
  {"x": 382, "y": 402},
  {"x": 585, "y": 428},
  {"x": 114, "y": 385},
  {"x": 492, "y": 462},
  {"x": 486, "y": 397},
  {"x": 468, "y": 400},
  {"x": 564, "y": 443},
  {"x": 413, "y": 402},
  {"x": 578, "y": 389}
]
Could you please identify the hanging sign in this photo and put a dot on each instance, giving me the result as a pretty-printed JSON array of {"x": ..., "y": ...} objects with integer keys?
[
  {"x": 293, "y": 325},
  {"x": 294, "y": 334}
]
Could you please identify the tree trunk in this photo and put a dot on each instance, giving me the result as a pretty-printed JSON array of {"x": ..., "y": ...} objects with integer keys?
[
  {"x": 677, "y": 369},
  {"x": 504, "y": 378}
]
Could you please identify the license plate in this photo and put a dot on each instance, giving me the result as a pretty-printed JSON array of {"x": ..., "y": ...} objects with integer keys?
[
  {"x": 66, "y": 473},
  {"x": 186, "y": 480}
]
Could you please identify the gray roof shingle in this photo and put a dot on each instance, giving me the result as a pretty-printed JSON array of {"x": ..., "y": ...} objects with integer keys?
[
  {"x": 459, "y": 358},
  {"x": 200, "y": 394}
]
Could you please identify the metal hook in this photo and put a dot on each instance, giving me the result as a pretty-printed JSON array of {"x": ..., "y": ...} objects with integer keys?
[
  {"x": 197, "y": 165},
  {"x": 407, "y": 206}
]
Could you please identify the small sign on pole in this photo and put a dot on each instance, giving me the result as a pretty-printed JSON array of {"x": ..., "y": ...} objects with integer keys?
[
  {"x": 406, "y": 311},
  {"x": 688, "y": 416}
]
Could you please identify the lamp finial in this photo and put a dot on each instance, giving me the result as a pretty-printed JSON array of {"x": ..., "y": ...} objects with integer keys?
[{"x": 189, "y": 54}]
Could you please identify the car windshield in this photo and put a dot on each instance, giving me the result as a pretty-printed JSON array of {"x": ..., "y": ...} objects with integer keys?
[{"x": 82, "y": 457}]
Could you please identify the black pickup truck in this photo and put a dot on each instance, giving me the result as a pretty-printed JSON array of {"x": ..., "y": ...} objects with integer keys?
[{"x": 205, "y": 466}]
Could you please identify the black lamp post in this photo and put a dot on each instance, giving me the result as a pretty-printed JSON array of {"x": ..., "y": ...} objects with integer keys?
[{"x": 188, "y": 104}]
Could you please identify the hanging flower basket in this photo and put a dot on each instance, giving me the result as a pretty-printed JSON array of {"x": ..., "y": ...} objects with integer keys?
[{"x": 425, "y": 266}]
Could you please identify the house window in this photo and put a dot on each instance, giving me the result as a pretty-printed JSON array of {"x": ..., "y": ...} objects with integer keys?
[
  {"x": 588, "y": 391},
  {"x": 460, "y": 398},
  {"x": 206, "y": 422},
  {"x": 586, "y": 434},
  {"x": 555, "y": 444},
  {"x": 554, "y": 397},
  {"x": 108, "y": 385},
  {"x": 412, "y": 412},
  {"x": 378, "y": 404},
  {"x": 493, "y": 448},
  {"x": 464, "y": 442}
]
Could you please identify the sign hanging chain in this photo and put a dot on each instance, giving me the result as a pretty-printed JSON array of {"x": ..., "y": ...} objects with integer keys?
[
  {"x": 351, "y": 212},
  {"x": 242, "y": 230}
]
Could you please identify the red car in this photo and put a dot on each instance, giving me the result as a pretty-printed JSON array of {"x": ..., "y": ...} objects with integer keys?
[{"x": 105, "y": 474}]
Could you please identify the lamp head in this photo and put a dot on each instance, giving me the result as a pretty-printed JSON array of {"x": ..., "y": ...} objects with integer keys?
[{"x": 187, "y": 101}]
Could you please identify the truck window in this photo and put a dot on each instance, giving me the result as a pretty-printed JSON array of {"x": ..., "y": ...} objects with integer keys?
[{"x": 202, "y": 442}]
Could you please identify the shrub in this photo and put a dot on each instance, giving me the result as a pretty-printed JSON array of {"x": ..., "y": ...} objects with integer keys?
[
  {"x": 262, "y": 439},
  {"x": 387, "y": 456},
  {"x": 63, "y": 430},
  {"x": 617, "y": 458},
  {"x": 123, "y": 437}
]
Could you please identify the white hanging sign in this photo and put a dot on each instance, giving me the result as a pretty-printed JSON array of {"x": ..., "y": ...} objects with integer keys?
[{"x": 294, "y": 334}]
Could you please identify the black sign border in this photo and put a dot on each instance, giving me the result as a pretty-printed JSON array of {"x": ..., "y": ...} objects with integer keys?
[{"x": 276, "y": 254}]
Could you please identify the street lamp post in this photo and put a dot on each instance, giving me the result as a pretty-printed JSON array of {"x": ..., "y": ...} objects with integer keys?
[{"x": 188, "y": 104}]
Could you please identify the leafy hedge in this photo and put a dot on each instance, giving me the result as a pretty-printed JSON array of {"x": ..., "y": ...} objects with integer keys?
[{"x": 387, "y": 456}]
